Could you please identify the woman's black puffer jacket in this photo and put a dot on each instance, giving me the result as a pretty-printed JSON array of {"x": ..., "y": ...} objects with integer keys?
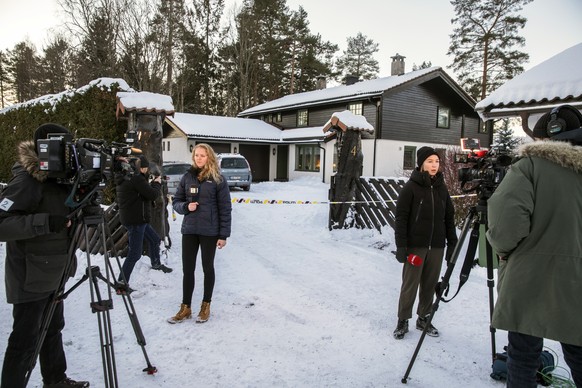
[{"x": 425, "y": 216}]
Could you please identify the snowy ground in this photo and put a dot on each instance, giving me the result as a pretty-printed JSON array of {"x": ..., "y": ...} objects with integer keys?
[{"x": 295, "y": 305}]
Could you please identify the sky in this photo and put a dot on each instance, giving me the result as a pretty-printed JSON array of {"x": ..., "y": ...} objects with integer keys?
[
  {"x": 294, "y": 305},
  {"x": 416, "y": 29}
]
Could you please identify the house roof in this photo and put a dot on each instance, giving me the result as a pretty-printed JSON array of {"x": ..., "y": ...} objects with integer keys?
[
  {"x": 239, "y": 129},
  {"x": 144, "y": 102},
  {"x": 556, "y": 81},
  {"x": 358, "y": 90}
]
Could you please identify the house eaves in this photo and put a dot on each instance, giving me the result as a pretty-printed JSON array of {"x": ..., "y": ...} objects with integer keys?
[
  {"x": 556, "y": 81},
  {"x": 218, "y": 128},
  {"x": 359, "y": 90}
]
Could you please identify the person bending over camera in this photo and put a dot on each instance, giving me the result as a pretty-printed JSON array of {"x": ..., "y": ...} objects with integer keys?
[
  {"x": 135, "y": 196},
  {"x": 535, "y": 226},
  {"x": 34, "y": 224}
]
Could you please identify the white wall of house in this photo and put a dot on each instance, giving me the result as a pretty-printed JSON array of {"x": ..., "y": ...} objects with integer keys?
[
  {"x": 176, "y": 149},
  {"x": 389, "y": 157}
]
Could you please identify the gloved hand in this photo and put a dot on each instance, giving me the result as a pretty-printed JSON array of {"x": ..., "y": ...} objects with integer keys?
[
  {"x": 401, "y": 255},
  {"x": 57, "y": 223}
]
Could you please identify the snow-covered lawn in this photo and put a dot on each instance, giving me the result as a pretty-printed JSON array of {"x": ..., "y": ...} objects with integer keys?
[{"x": 295, "y": 305}]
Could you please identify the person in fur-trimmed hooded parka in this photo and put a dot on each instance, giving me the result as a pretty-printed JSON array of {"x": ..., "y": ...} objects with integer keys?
[
  {"x": 535, "y": 226},
  {"x": 34, "y": 224}
]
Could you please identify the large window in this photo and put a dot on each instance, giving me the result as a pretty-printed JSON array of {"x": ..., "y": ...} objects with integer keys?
[
  {"x": 409, "y": 161},
  {"x": 307, "y": 158},
  {"x": 443, "y": 117},
  {"x": 356, "y": 108},
  {"x": 302, "y": 118}
]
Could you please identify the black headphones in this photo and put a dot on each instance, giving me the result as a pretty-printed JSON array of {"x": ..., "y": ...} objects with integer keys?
[{"x": 558, "y": 125}]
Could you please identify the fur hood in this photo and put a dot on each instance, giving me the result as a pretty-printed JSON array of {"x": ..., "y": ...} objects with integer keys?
[
  {"x": 29, "y": 161},
  {"x": 558, "y": 152}
]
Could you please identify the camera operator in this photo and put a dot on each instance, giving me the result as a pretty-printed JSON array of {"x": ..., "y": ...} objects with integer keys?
[
  {"x": 33, "y": 222},
  {"x": 535, "y": 226},
  {"x": 135, "y": 196}
]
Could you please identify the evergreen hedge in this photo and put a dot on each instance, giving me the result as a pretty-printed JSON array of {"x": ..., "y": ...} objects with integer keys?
[{"x": 88, "y": 112}]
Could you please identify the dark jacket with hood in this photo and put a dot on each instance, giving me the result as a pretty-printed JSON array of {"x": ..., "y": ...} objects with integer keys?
[
  {"x": 425, "y": 216},
  {"x": 535, "y": 223},
  {"x": 135, "y": 196},
  {"x": 213, "y": 214},
  {"x": 35, "y": 258}
]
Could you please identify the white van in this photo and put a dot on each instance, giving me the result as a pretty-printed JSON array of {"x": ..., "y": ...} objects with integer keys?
[{"x": 236, "y": 170}]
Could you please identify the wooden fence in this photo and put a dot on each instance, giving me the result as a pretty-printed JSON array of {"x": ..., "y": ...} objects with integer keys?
[{"x": 375, "y": 202}]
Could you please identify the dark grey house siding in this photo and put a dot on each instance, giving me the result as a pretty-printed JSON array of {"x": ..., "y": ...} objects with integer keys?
[
  {"x": 411, "y": 114},
  {"x": 319, "y": 115}
]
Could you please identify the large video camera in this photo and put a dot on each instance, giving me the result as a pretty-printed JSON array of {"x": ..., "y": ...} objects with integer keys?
[
  {"x": 86, "y": 164},
  {"x": 487, "y": 170}
]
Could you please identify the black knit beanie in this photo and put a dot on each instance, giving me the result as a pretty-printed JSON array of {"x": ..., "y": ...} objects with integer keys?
[{"x": 423, "y": 153}]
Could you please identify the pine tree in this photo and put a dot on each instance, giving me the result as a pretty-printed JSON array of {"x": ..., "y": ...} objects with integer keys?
[
  {"x": 56, "y": 71},
  {"x": 5, "y": 98},
  {"x": 358, "y": 59},
  {"x": 505, "y": 140},
  {"x": 484, "y": 42},
  {"x": 423, "y": 65},
  {"x": 23, "y": 69}
]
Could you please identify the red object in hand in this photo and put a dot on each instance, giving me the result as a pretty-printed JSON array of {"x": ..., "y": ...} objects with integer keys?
[{"x": 415, "y": 260}]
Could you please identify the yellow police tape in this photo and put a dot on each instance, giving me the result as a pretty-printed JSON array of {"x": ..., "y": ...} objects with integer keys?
[{"x": 299, "y": 202}]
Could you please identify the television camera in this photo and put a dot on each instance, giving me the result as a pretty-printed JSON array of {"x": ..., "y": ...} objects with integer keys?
[
  {"x": 487, "y": 167},
  {"x": 86, "y": 164}
]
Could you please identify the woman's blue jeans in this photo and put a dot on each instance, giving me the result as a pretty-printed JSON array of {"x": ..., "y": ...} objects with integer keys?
[{"x": 136, "y": 235}]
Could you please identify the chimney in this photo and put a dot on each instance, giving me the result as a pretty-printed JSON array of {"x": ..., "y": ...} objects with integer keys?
[
  {"x": 350, "y": 79},
  {"x": 321, "y": 82},
  {"x": 397, "y": 65}
]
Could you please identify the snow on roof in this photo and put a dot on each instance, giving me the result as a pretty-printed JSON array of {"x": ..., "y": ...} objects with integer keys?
[
  {"x": 217, "y": 127},
  {"x": 145, "y": 101},
  {"x": 53, "y": 99},
  {"x": 339, "y": 93},
  {"x": 557, "y": 78},
  {"x": 347, "y": 120}
]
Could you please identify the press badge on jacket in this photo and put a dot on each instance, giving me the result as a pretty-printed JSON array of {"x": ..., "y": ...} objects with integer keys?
[{"x": 6, "y": 204}]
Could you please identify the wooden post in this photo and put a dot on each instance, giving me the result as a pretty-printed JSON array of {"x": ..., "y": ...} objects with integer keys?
[{"x": 350, "y": 160}]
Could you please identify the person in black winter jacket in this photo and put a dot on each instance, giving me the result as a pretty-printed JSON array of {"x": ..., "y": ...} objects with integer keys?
[
  {"x": 135, "y": 196},
  {"x": 34, "y": 224},
  {"x": 203, "y": 197},
  {"x": 425, "y": 219}
]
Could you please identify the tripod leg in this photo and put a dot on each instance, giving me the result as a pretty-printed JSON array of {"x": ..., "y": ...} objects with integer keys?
[
  {"x": 491, "y": 286},
  {"x": 128, "y": 302},
  {"x": 444, "y": 284}
]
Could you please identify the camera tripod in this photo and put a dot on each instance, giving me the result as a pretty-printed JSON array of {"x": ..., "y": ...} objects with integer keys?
[
  {"x": 476, "y": 217},
  {"x": 91, "y": 215}
]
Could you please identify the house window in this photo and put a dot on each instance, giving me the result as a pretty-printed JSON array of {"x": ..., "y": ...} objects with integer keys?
[
  {"x": 307, "y": 158},
  {"x": 483, "y": 126},
  {"x": 356, "y": 108},
  {"x": 409, "y": 161},
  {"x": 168, "y": 146},
  {"x": 279, "y": 117},
  {"x": 163, "y": 146},
  {"x": 302, "y": 118},
  {"x": 443, "y": 117}
]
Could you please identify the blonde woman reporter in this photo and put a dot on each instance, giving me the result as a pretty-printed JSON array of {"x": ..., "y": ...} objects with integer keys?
[{"x": 203, "y": 197}]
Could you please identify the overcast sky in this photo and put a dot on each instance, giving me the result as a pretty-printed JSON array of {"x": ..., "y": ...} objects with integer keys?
[{"x": 416, "y": 29}]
